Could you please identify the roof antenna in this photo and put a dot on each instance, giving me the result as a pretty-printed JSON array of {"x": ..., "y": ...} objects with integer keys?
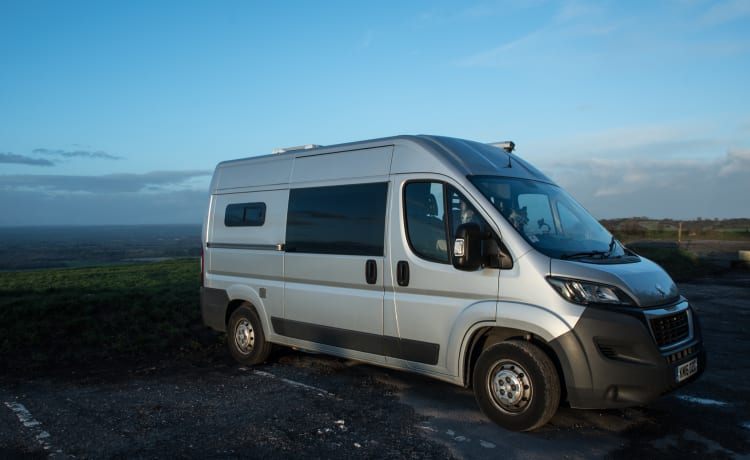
[{"x": 508, "y": 146}]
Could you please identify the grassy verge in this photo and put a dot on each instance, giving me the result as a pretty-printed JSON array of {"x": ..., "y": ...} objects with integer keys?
[
  {"x": 85, "y": 315},
  {"x": 681, "y": 265},
  {"x": 51, "y": 318}
]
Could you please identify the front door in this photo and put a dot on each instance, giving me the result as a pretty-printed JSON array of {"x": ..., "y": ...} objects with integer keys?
[{"x": 433, "y": 304}]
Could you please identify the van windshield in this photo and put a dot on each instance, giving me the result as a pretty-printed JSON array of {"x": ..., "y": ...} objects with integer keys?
[{"x": 549, "y": 219}]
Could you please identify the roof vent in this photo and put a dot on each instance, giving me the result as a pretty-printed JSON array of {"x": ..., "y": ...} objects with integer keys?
[{"x": 299, "y": 147}]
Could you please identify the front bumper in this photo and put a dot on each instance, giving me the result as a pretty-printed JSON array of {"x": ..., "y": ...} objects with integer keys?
[{"x": 627, "y": 357}]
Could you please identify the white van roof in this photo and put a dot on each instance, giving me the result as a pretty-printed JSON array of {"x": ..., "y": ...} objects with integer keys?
[{"x": 433, "y": 154}]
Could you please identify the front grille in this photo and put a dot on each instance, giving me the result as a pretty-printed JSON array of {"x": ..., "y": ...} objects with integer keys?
[
  {"x": 670, "y": 329},
  {"x": 674, "y": 357}
]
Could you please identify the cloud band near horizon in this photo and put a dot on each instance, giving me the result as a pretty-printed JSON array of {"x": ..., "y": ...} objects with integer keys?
[
  {"x": 107, "y": 183},
  {"x": 12, "y": 158},
  {"x": 158, "y": 197},
  {"x": 77, "y": 153}
]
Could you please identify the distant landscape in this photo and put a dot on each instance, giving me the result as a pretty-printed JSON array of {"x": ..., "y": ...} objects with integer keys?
[
  {"x": 74, "y": 286},
  {"x": 26, "y": 248},
  {"x": 640, "y": 228}
]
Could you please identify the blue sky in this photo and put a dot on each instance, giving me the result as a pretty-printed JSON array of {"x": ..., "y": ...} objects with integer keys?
[{"x": 116, "y": 112}]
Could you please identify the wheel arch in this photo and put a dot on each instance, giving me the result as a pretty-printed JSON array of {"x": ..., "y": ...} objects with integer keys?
[
  {"x": 549, "y": 331},
  {"x": 233, "y": 305},
  {"x": 518, "y": 386},
  {"x": 485, "y": 337},
  {"x": 242, "y": 295}
]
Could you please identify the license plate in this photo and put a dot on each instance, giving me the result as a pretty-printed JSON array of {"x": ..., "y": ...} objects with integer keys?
[{"x": 687, "y": 369}]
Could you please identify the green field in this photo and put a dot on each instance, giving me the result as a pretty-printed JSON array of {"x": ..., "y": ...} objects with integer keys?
[
  {"x": 643, "y": 228},
  {"x": 83, "y": 316},
  {"x": 681, "y": 265},
  {"x": 86, "y": 315}
]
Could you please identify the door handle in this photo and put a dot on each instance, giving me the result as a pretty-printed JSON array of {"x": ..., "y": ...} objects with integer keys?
[
  {"x": 402, "y": 273},
  {"x": 371, "y": 272}
]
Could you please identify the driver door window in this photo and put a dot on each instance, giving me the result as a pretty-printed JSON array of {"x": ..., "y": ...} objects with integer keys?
[
  {"x": 425, "y": 220},
  {"x": 432, "y": 210}
]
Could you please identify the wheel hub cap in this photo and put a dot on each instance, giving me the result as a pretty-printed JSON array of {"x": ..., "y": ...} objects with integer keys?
[
  {"x": 244, "y": 336},
  {"x": 511, "y": 387}
]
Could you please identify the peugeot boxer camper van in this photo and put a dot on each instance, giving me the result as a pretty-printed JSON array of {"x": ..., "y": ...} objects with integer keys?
[{"x": 450, "y": 258}]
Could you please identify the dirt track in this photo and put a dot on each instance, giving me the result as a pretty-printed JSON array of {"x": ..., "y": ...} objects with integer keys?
[{"x": 302, "y": 405}]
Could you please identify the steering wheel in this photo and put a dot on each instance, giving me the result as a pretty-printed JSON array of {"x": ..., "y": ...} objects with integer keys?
[{"x": 544, "y": 226}]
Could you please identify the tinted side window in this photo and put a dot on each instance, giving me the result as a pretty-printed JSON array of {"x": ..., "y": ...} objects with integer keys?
[
  {"x": 245, "y": 215},
  {"x": 425, "y": 220},
  {"x": 348, "y": 220},
  {"x": 463, "y": 212},
  {"x": 433, "y": 213}
]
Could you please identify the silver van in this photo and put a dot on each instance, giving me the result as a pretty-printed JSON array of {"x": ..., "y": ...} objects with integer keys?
[{"x": 450, "y": 258}]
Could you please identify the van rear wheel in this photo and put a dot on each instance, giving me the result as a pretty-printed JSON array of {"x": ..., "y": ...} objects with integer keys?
[
  {"x": 245, "y": 337},
  {"x": 516, "y": 385}
]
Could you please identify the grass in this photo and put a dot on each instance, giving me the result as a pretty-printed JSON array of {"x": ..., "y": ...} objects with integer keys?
[
  {"x": 48, "y": 317},
  {"x": 681, "y": 265},
  {"x": 637, "y": 229},
  {"x": 667, "y": 235},
  {"x": 130, "y": 312}
]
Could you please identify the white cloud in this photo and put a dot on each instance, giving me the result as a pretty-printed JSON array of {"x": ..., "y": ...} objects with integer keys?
[
  {"x": 502, "y": 54},
  {"x": 737, "y": 162},
  {"x": 727, "y": 11},
  {"x": 77, "y": 153},
  {"x": 683, "y": 141},
  {"x": 154, "y": 197},
  {"x": 571, "y": 10},
  {"x": 564, "y": 21},
  {"x": 12, "y": 158},
  {"x": 104, "y": 184},
  {"x": 669, "y": 188},
  {"x": 34, "y": 208}
]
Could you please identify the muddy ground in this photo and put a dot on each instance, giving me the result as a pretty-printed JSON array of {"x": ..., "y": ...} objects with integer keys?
[{"x": 313, "y": 406}]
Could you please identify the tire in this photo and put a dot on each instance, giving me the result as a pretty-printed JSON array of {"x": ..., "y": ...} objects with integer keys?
[
  {"x": 245, "y": 337},
  {"x": 516, "y": 385}
]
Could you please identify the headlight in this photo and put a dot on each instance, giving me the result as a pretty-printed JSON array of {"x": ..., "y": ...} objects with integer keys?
[{"x": 585, "y": 292}]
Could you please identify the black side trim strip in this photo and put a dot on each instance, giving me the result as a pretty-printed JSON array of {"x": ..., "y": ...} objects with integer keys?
[
  {"x": 394, "y": 347},
  {"x": 257, "y": 247}
]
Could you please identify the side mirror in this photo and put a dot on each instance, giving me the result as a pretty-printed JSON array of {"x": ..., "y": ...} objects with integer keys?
[{"x": 467, "y": 247}]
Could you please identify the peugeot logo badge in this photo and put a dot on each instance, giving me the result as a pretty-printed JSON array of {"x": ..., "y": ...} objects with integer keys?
[{"x": 661, "y": 291}]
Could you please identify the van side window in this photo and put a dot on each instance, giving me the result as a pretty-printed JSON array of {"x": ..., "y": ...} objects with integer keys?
[
  {"x": 245, "y": 215},
  {"x": 434, "y": 211},
  {"x": 463, "y": 212},
  {"x": 425, "y": 220},
  {"x": 342, "y": 219}
]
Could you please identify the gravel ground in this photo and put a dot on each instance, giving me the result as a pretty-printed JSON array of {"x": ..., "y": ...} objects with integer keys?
[
  {"x": 221, "y": 411},
  {"x": 301, "y": 405}
]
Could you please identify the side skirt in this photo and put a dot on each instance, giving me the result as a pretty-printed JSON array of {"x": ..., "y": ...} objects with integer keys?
[{"x": 394, "y": 347}]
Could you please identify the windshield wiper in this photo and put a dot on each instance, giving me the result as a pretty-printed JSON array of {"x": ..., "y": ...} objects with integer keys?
[
  {"x": 611, "y": 246},
  {"x": 583, "y": 255},
  {"x": 600, "y": 254}
]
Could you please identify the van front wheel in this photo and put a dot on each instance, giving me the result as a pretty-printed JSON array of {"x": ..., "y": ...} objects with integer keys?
[
  {"x": 516, "y": 385},
  {"x": 245, "y": 337}
]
